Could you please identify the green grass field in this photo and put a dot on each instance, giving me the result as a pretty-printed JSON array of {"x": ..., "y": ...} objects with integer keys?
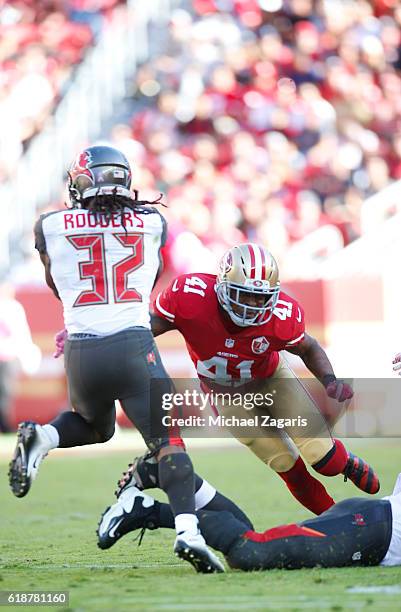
[{"x": 48, "y": 542}]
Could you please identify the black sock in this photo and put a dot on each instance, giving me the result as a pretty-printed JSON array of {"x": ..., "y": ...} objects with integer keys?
[
  {"x": 176, "y": 478},
  {"x": 74, "y": 430}
]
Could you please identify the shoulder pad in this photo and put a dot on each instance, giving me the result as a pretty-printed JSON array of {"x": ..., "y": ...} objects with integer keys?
[
  {"x": 288, "y": 318},
  {"x": 194, "y": 292}
]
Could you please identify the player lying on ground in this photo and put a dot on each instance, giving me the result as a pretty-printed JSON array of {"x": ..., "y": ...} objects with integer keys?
[
  {"x": 235, "y": 326},
  {"x": 101, "y": 259},
  {"x": 354, "y": 532}
]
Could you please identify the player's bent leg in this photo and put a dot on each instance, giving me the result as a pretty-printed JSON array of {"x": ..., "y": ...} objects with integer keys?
[
  {"x": 142, "y": 474},
  {"x": 176, "y": 478},
  {"x": 75, "y": 429},
  {"x": 143, "y": 405},
  {"x": 68, "y": 429},
  {"x": 327, "y": 456},
  {"x": 280, "y": 454},
  {"x": 223, "y": 532},
  {"x": 337, "y": 460},
  {"x": 353, "y": 532},
  {"x": 33, "y": 444},
  {"x": 309, "y": 491}
]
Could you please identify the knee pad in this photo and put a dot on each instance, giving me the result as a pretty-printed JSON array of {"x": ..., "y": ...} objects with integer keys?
[
  {"x": 274, "y": 452},
  {"x": 314, "y": 449},
  {"x": 174, "y": 467},
  {"x": 282, "y": 462}
]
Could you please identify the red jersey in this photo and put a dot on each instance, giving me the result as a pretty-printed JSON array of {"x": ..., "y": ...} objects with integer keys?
[{"x": 218, "y": 348}]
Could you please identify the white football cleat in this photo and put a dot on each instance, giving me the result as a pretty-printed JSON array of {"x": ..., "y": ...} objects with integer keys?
[
  {"x": 132, "y": 510},
  {"x": 193, "y": 548},
  {"x": 33, "y": 444}
]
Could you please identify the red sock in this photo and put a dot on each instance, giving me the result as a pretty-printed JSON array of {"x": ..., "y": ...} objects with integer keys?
[
  {"x": 334, "y": 461},
  {"x": 306, "y": 489}
]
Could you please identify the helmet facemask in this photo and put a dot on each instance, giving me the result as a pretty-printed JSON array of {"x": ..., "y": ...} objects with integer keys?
[{"x": 247, "y": 304}]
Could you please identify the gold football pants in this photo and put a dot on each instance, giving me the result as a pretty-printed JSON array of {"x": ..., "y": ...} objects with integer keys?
[{"x": 279, "y": 448}]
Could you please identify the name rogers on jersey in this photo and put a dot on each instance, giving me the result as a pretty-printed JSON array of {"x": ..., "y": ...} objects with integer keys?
[{"x": 92, "y": 219}]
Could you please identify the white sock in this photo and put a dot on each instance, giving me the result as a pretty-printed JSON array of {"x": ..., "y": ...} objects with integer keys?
[
  {"x": 52, "y": 434},
  {"x": 204, "y": 495},
  {"x": 186, "y": 522}
]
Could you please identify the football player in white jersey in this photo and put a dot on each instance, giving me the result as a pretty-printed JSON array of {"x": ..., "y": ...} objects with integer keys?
[{"x": 101, "y": 259}]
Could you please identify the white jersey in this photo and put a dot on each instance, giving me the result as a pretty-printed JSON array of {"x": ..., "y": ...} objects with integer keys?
[{"x": 104, "y": 273}]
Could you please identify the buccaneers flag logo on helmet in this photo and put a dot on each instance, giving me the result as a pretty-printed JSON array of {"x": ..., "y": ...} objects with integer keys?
[{"x": 81, "y": 165}]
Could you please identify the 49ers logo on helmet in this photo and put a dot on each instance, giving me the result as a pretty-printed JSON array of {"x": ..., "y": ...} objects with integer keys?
[
  {"x": 81, "y": 165},
  {"x": 227, "y": 263}
]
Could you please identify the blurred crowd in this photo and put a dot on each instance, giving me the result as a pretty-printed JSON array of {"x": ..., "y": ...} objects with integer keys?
[
  {"x": 267, "y": 120},
  {"x": 41, "y": 41},
  {"x": 263, "y": 120}
]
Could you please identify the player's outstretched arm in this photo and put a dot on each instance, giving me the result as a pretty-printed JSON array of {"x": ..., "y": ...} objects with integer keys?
[
  {"x": 315, "y": 358},
  {"x": 159, "y": 325}
]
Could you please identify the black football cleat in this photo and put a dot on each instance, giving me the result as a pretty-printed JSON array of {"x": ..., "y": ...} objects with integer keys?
[
  {"x": 192, "y": 548},
  {"x": 133, "y": 510},
  {"x": 142, "y": 473},
  {"x": 361, "y": 474},
  {"x": 32, "y": 447}
]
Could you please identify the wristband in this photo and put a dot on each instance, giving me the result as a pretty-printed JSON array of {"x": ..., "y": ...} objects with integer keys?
[{"x": 327, "y": 379}]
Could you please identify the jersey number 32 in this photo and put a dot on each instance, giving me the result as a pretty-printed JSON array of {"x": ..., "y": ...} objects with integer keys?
[{"x": 95, "y": 268}]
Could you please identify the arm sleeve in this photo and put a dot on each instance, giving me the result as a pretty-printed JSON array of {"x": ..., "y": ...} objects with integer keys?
[
  {"x": 167, "y": 302},
  {"x": 298, "y": 327},
  {"x": 40, "y": 242}
]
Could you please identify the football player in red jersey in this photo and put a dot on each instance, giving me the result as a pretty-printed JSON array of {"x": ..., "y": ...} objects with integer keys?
[{"x": 235, "y": 326}]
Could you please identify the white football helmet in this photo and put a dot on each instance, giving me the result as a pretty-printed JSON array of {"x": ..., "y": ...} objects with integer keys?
[{"x": 248, "y": 284}]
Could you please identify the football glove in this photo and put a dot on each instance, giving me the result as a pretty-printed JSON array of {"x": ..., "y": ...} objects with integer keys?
[
  {"x": 60, "y": 339},
  {"x": 397, "y": 363},
  {"x": 339, "y": 390}
]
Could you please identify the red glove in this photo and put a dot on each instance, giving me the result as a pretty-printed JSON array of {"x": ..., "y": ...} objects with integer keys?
[
  {"x": 60, "y": 339},
  {"x": 339, "y": 390}
]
